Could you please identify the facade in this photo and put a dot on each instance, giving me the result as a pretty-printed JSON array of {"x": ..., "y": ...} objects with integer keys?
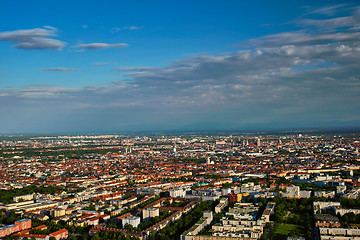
[
  {"x": 326, "y": 220},
  {"x": 93, "y": 221},
  {"x": 340, "y": 190},
  {"x": 305, "y": 194},
  {"x": 23, "y": 197},
  {"x": 339, "y": 233},
  {"x": 19, "y": 225},
  {"x": 292, "y": 192},
  {"x": 57, "y": 212},
  {"x": 343, "y": 211},
  {"x": 148, "y": 213},
  {"x": 233, "y": 197},
  {"x": 177, "y": 193},
  {"x": 131, "y": 220},
  {"x": 318, "y": 206},
  {"x": 225, "y": 191},
  {"x": 23, "y": 224},
  {"x": 29, "y": 206},
  {"x": 222, "y": 204},
  {"x": 206, "y": 195}
]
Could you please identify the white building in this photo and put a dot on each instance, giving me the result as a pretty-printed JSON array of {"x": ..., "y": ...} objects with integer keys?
[
  {"x": 177, "y": 193},
  {"x": 222, "y": 204},
  {"x": 318, "y": 206},
  {"x": 292, "y": 192},
  {"x": 148, "y": 213},
  {"x": 340, "y": 189},
  {"x": 23, "y": 197},
  {"x": 132, "y": 220},
  {"x": 305, "y": 194}
]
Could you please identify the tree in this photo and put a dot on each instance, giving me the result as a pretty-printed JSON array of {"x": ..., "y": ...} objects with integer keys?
[
  {"x": 128, "y": 227},
  {"x": 152, "y": 236},
  {"x": 91, "y": 207},
  {"x": 96, "y": 237},
  {"x": 226, "y": 185}
]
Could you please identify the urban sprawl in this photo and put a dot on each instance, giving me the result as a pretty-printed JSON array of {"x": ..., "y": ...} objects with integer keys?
[{"x": 188, "y": 187}]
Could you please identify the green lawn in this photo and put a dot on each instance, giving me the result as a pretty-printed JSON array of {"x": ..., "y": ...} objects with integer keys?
[{"x": 283, "y": 230}]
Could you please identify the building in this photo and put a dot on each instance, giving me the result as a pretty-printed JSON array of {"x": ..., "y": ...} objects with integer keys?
[
  {"x": 318, "y": 206},
  {"x": 292, "y": 192},
  {"x": 93, "y": 221},
  {"x": 305, "y": 194},
  {"x": 8, "y": 230},
  {"x": 295, "y": 238},
  {"x": 57, "y": 212},
  {"x": 61, "y": 234},
  {"x": 105, "y": 217},
  {"x": 240, "y": 223},
  {"x": 19, "y": 225},
  {"x": 339, "y": 233},
  {"x": 225, "y": 191},
  {"x": 23, "y": 224},
  {"x": 232, "y": 198},
  {"x": 206, "y": 195},
  {"x": 131, "y": 220},
  {"x": 58, "y": 235},
  {"x": 258, "y": 142},
  {"x": 148, "y": 213},
  {"x": 23, "y": 198},
  {"x": 340, "y": 190},
  {"x": 194, "y": 230},
  {"x": 177, "y": 193},
  {"x": 326, "y": 220},
  {"x": 222, "y": 204}
]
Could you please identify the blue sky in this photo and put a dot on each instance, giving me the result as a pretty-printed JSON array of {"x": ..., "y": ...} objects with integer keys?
[{"x": 70, "y": 66}]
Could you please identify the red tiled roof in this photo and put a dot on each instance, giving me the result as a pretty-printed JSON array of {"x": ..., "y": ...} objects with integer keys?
[{"x": 61, "y": 231}]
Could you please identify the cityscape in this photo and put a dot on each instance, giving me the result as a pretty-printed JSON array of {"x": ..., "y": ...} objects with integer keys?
[
  {"x": 190, "y": 186},
  {"x": 179, "y": 120}
]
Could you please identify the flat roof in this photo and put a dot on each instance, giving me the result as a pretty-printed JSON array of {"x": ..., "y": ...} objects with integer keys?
[{"x": 23, "y": 220}]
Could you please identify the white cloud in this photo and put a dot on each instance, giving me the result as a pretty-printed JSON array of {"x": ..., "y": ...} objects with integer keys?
[
  {"x": 330, "y": 23},
  {"x": 131, "y": 28},
  {"x": 115, "y": 29},
  {"x": 33, "y": 39},
  {"x": 95, "y": 46},
  {"x": 60, "y": 69},
  {"x": 118, "y": 29},
  {"x": 37, "y": 92},
  {"x": 328, "y": 10}
]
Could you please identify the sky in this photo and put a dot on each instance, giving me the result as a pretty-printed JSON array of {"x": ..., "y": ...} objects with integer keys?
[{"x": 100, "y": 66}]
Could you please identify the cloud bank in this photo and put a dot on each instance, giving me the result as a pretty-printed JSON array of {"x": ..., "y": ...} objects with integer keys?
[{"x": 33, "y": 39}]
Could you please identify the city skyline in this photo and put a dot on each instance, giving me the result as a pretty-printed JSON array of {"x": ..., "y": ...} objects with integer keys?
[{"x": 125, "y": 66}]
